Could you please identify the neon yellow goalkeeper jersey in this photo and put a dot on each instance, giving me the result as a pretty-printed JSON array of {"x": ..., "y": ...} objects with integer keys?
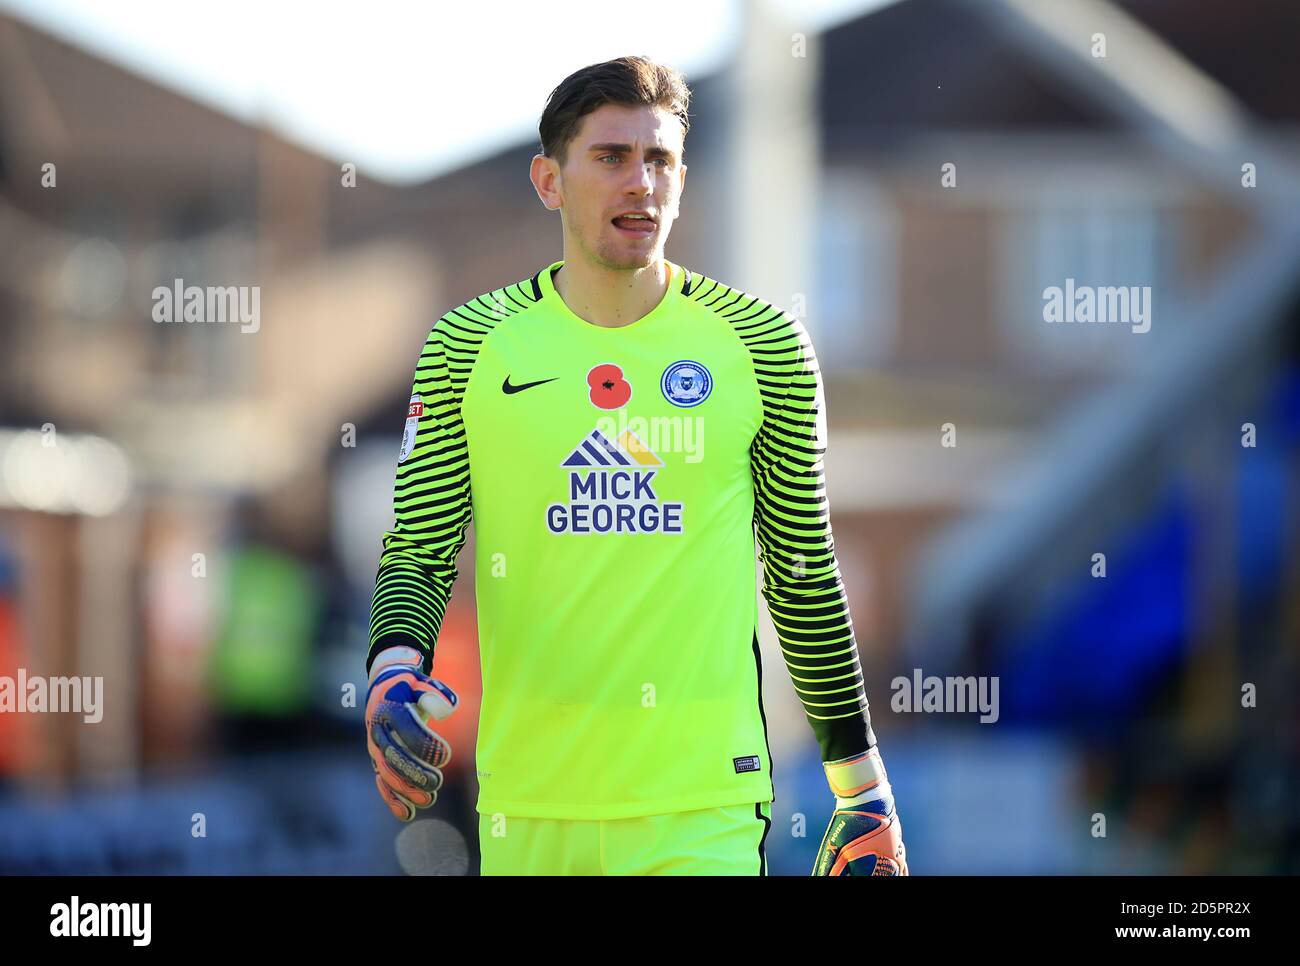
[{"x": 616, "y": 478}]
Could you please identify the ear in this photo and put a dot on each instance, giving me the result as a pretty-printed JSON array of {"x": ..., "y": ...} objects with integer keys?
[{"x": 547, "y": 181}]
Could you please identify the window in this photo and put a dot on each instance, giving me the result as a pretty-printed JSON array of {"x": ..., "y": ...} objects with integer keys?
[
  {"x": 1088, "y": 246},
  {"x": 853, "y": 309}
]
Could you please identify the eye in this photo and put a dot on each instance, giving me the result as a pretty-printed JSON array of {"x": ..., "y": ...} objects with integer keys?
[{"x": 661, "y": 161}]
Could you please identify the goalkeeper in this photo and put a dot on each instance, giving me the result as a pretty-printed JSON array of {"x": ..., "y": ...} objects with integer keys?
[{"x": 622, "y": 728}]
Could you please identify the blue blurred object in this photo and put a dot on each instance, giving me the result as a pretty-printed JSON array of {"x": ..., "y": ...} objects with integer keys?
[
  {"x": 255, "y": 820},
  {"x": 992, "y": 802},
  {"x": 1089, "y": 661}
]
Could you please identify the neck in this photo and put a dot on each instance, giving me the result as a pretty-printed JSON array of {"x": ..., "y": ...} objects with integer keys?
[{"x": 611, "y": 297}]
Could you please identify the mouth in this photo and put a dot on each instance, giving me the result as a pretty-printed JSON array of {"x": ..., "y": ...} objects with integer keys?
[{"x": 634, "y": 227}]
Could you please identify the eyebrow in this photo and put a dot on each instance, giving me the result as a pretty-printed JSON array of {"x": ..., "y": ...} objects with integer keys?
[{"x": 651, "y": 152}]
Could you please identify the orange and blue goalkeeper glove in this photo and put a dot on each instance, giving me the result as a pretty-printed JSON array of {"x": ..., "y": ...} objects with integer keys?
[
  {"x": 406, "y": 753},
  {"x": 864, "y": 836}
]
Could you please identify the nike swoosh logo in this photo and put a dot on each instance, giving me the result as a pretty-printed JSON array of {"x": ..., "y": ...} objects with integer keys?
[{"x": 509, "y": 389}]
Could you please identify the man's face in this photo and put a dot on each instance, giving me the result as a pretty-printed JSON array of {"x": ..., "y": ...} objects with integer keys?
[{"x": 622, "y": 159}]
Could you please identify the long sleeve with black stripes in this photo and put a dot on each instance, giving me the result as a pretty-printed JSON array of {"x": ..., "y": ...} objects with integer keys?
[
  {"x": 801, "y": 578},
  {"x": 431, "y": 499}
]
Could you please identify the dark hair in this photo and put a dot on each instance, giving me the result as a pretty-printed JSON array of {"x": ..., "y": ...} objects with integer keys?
[{"x": 630, "y": 81}]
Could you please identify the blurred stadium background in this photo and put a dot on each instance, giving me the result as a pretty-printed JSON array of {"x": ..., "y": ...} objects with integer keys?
[{"x": 205, "y": 534}]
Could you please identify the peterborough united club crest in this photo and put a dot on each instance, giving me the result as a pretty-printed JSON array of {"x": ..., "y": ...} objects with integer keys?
[{"x": 686, "y": 383}]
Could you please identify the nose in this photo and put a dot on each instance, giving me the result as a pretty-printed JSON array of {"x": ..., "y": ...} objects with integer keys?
[{"x": 644, "y": 182}]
